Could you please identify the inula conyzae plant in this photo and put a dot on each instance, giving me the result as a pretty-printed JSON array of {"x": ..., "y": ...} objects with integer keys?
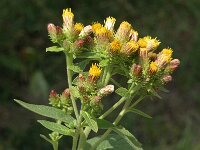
[{"x": 79, "y": 109}]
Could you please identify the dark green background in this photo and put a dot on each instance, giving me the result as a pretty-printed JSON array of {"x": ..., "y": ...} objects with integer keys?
[{"x": 27, "y": 72}]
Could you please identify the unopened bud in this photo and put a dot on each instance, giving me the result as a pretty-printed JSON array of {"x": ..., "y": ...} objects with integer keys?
[
  {"x": 136, "y": 69},
  {"x": 81, "y": 77},
  {"x": 129, "y": 48},
  {"x": 59, "y": 31},
  {"x": 79, "y": 43},
  {"x": 106, "y": 90},
  {"x": 51, "y": 29},
  {"x": 175, "y": 62},
  {"x": 86, "y": 31},
  {"x": 97, "y": 99},
  {"x": 123, "y": 31},
  {"x": 52, "y": 94},
  {"x": 66, "y": 93},
  {"x": 167, "y": 78}
]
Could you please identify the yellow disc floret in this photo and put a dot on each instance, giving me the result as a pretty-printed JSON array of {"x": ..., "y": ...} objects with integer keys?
[
  {"x": 95, "y": 71},
  {"x": 153, "y": 67},
  {"x": 123, "y": 31},
  {"x": 115, "y": 46},
  {"x": 68, "y": 20},
  {"x": 78, "y": 27},
  {"x": 164, "y": 57},
  {"x": 103, "y": 34},
  {"x": 149, "y": 43},
  {"x": 96, "y": 26},
  {"x": 129, "y": 48}
]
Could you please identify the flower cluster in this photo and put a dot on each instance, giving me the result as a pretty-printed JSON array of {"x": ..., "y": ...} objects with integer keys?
[
  {"x": 121, "y": 50},
  {"x": 61, "y": 101},
  {"x": 90, "y": 93}
]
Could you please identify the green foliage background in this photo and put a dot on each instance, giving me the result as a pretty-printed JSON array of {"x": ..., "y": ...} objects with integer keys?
[{"x": 28, "y": 72}]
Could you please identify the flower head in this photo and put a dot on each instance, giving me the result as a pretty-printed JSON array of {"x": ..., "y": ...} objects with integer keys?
[
  {"x": 129, "y": 48},
  {"x": 86, "y": 31},
  {"x": 164, "y": 57},
  {"x": 149, "y": 43},
  {"x": 115, "y": 46},
  {"x": 153, "y": 67},
  {"x": 78, "y": 27},
  {"x": 96, "y": 26},
  {"x": 123, "y": 31},
  {"x": 95, "y": 71},
  {"x": 68, "y": 18},
  {"x": 103, "y": 34},
  {"x": 109, "y": 23}
]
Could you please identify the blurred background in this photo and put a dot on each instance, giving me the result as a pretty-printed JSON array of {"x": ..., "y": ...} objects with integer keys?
[{"x": 27, "y": 72}]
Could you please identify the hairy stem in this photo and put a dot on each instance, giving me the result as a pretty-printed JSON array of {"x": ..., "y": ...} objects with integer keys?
[{"x": 69, "y": 62}]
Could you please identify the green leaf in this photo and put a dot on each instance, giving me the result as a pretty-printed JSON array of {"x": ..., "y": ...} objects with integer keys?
[
  {"x": 121, "y": 91},
  {"x": 47, "y": 111},
  {"x": 46, "y": 138},
  {"x": 112, "y": 142},
  {"x": 152, "y": 91},
  {"x": 104, "y": 62},
  {"x": 74, "y": 91},
  {"x": 83, "y": 64},
  {"x": 57, "y": 127},
  {"x": 139, "y": 112},
  {"x": 54, "y": 49},
  {"x": 74, "y": 68},
  {"x": 104, "y": 124},
  {"x": 126, "y": 135},
  {"x": 90, "y": 121}
]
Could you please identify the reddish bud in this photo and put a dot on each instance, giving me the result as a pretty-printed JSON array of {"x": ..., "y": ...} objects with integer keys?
[
  {"x": 66, "y": 93},
  {"x": 97, "y": 99},
  {"x": 59, "y": 30},
  {"x": 167, "y": 78},
  {"x": 136, "y": 69},
  {"x": 175, "y": 62},
  {"x": 51, "y": 28},
  {"x": 52, "y": 94},
  {"x": 79, "y": 43}
]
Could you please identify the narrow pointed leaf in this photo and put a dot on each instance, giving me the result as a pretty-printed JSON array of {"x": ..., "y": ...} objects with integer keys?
[
  {"x": 139, "y": 112},
  {"x": 57, "y": 127},
  {"x": 90, "y": 121},
  {"x": 130, "y": 138},
  {"x": 47, "y": 111},
  {"x": 104, "y": 124},
  {"x": 54, "y": 49}
]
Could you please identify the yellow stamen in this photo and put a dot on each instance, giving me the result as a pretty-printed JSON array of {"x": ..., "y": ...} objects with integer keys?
[
  {"x": 96, "y": 26},
  {"x": 115, "y": 46},
  {"x": 95, "y": 71},
  {"x": 78, "y": 27},
  {"x": 103, "y": 34},
  {"x": 149, "y": 43},
  {"x": 153, "y": 67}
]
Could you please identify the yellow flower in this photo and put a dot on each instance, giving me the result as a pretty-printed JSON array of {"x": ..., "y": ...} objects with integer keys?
[
  {"x": 96, "y": 26},
  {"x": 164, "y": 57},
  {"x": 123, "y": 31},
  {"x": 109, "y": 23},
  {"x": 115, "y": 46},
  {"x": 149, "y": 43},
  {"x": 103, "y": 34},
  {"x": 153, "y": 67},
  {"x": 68, "y": 18},
  {"x": 95, "y": 71},
  {"x": 78, "y": 27},
  {"x": 129, "y": 48}
]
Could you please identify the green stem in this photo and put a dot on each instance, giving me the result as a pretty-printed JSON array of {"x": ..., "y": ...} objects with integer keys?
[
  {"x": 119, "y": 117},
  {"x": 55, "y": 145},
  {"x": 137, "y": 101},
  {"x": 69, "y": 62},
  {"x": 108, "y": 75}
]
